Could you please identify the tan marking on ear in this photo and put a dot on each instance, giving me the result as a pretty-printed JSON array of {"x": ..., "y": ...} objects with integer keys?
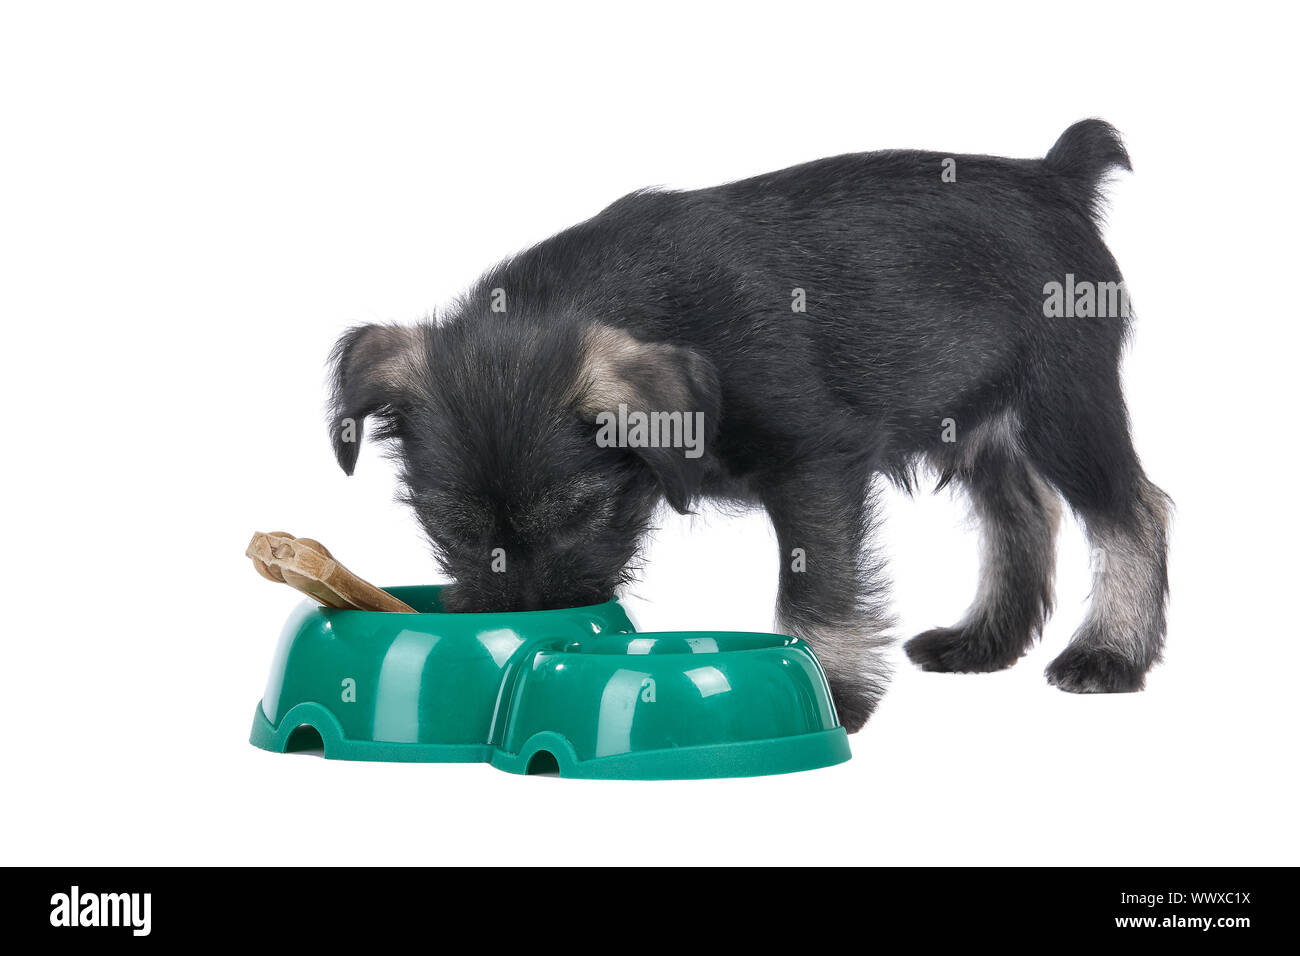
[
  {"x": 602, "y": 382},
  {"x": 401, "y": 348}
]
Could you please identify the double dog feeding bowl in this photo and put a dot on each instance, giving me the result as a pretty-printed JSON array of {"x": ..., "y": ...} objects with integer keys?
[{"x": 576, "y": 691}]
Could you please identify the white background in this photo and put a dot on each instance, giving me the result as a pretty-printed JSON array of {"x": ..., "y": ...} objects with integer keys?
[{"x": 197, "y": 199}]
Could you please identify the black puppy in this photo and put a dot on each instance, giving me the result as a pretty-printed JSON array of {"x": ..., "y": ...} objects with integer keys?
[{"x": 783, "y": 341}]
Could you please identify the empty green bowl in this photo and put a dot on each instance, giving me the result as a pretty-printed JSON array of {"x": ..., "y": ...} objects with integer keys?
[{"x": 575, "y": 691}]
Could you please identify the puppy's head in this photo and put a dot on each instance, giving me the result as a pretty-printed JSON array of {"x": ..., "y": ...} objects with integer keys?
[{"x": 507, "y": 438}]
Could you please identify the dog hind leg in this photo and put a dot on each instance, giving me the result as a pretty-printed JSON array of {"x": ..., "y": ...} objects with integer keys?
[
  {"x": 1123, "y": 634},
  {"x": 1080, "y": 440},
  {"x": 1018, "y": 515}
]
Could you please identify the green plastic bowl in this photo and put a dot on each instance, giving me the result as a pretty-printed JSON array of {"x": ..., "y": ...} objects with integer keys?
[{"x": 575, "y": 691}]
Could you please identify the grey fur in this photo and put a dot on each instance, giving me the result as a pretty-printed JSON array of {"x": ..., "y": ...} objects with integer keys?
[{"x": 1123, "y": 634}]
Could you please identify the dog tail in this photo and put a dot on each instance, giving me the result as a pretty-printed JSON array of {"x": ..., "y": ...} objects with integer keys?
[{"x": 1081, "y": 160}]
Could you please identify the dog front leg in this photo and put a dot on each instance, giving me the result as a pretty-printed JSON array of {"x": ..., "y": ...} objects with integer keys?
[{"x": 832, "y": 593}]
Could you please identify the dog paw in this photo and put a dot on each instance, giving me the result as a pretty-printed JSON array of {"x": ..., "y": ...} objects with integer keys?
[
  {"x": 854, "y": 704},
  {"x": 1081, "y": 669},
  {"x": 958, "y": 650}
]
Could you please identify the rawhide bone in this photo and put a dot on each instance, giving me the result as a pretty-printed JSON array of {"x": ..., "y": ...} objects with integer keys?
[{"x": 307, "y": 565}]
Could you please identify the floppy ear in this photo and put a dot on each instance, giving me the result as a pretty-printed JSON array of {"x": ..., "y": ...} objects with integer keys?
[
  {"x": 371, "y": 367},
  {"x": 653, "y": 378}
]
